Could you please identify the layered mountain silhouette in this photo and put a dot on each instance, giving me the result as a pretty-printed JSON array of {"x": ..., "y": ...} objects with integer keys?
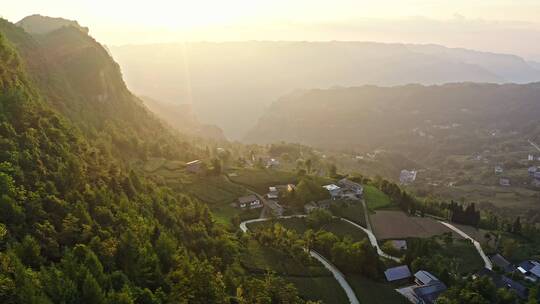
[{"x": 231, "y": 83}]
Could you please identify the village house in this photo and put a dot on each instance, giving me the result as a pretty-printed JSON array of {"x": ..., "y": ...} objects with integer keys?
[
  {"x": 334, "y": 190},
  {"x": 499, "y": 170},
  {"x": 502, "y": 281},
  {"x": 194, "y": 166},
  {"x": 532, "y": 170},
  {"x": 311, "y": 206},
  {"x": 505, "y": 182},
  {"x": 397, "y": 273},
  {"x": 345, "y": 189},
  {"x": 273, "y": 193},
  {"x": 426, "y": 290},
  {"x": 350, "y": 189},
  {"x": 249, "y": 202},
  {"x": 530, "y": 269},
  {"x": 407, "y": 177}
]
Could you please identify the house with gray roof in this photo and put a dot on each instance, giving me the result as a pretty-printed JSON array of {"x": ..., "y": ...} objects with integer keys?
[
  {"x": 423, "y": 277},
  {"x": 249, "y": 202},
  {"x": 429, "y": 287},
  {"x": 397, "y": 273},
  {"x": 502, "y": 281}
]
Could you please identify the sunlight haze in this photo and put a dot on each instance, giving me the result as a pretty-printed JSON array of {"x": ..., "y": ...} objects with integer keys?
[{"x": 468, "y": 24}]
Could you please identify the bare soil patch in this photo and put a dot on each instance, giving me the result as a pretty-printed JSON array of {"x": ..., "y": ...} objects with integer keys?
[{"x": 397, "y": 225}]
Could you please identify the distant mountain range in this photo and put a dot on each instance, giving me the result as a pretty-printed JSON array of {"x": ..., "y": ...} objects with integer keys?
[
  {"x": 421, "y": 122},
  {"x": 231, "y": 84}
]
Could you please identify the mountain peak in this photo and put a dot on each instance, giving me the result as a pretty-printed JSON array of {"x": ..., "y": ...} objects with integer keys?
[{"x": 39, "y": 24}]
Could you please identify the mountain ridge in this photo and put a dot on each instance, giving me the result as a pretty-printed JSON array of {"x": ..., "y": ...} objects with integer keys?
[{"x": 254, "y": 74}]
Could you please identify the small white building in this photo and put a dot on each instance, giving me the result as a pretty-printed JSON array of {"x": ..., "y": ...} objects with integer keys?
[
  {"x": 334, "y": 190},
  {"x": 407, "y": 177}
]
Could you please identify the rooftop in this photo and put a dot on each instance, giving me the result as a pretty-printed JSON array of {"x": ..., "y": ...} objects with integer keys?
[
  {"x": 430, "y": 293},
  {"x": 248, "y": 198},
  {"x": 331, "y": 187},
  {"x": 397, "y": 273},
  {"x": 425, "y": 277}
]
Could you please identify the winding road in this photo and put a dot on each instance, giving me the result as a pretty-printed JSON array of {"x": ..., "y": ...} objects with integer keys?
[
  {"x": 373, "y": 241},
  {"x": 487, "y": 261},
  {"x": 333, "y": 269}
]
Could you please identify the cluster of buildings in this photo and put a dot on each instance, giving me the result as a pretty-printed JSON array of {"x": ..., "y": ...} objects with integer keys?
[
  {"x": 407, "y": 177},
  {"x": 426, "y": 288},
  {"x": 270, "y": 200},
  {"x": 530, "y": 270},
  {"x": 345, "y": 189}
]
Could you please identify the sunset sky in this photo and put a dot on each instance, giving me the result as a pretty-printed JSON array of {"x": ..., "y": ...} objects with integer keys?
[{"x": 510, "y": 26}]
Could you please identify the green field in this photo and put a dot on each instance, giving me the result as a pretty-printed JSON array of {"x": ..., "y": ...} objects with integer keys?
[
  {"x": 325, "y": 289},
  {"x": 375, "y": 198},
  {"x": 314, "y": 282},
  {"x": 464, "y": 253},
  {"x": 214, "y": 190},
  {"x": 296, "y": 224},
  {"x": 340, "y": 228},
  {"x": 371, "y": 292},
  {"x": 344, "y": 229},
  {"x": 259, "y": 180},
  {"x": 219, "y": 193},
  {"x": 351, "y": 211}
]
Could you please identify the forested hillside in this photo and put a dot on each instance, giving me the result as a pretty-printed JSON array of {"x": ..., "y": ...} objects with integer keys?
[
  {"x": 77, "y": 225},
  {"x": 452, "y": 118}
]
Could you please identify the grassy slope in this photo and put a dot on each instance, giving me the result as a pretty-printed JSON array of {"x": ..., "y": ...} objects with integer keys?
[
  {"x": 339, "y": 228},
  {"x": 313, "y": 281},
  {"x": 353, "y": 212},
  {"x": 375, "y": 198},
  {"x": 259, "y": 180},
  {"x": 466, "y": 255}
]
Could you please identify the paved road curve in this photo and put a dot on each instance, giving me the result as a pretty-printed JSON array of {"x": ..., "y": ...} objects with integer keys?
[
  {"x": 487, "y": 261},
  {"x": 373, "y": 241},
  {"x": 335, "y": 272}
]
